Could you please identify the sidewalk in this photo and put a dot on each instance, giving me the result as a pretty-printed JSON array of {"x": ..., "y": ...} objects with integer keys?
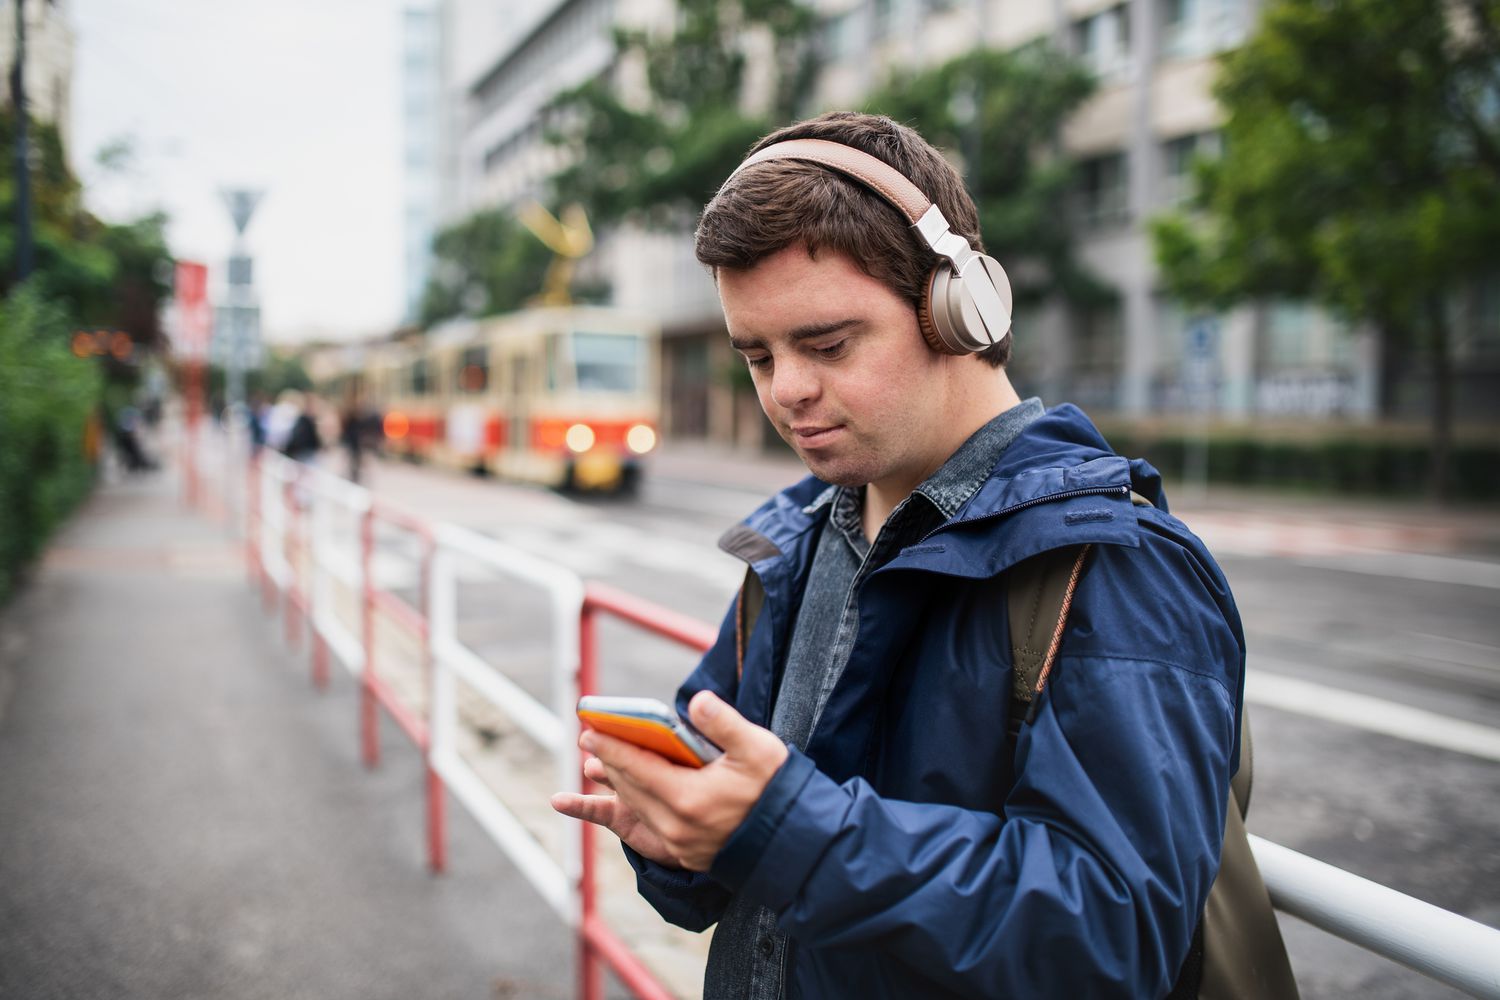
[{"x": 181, "y": 817}]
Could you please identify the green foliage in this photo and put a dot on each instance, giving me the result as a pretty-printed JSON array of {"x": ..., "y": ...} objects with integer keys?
[
  {"x": 47, "y": 398},
  {"x": 657, "y": 160},
  {"x": 1363, "y": 163},
  {"x": 1362, "y": 169},
  {"x": 487, "y": 263},
  {"x": 114, "y": 276},
  {"x": 1001, "y": 112},
  {"x": 1382, "y": 462}
]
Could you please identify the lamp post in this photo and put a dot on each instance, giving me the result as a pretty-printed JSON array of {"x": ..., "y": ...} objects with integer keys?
[{"x": 24, "y": 252}]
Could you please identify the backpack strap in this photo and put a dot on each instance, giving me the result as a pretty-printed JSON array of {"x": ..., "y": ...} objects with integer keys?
[
  {"x": 747, "y": 607},
  {"x": 1039, "y": 595}
]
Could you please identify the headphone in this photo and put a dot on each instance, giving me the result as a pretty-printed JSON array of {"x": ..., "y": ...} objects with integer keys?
[{"x": 966, "y": 302}]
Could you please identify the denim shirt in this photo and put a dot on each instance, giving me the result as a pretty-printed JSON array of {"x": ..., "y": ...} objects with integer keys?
[{"x": 747, "y": 958}]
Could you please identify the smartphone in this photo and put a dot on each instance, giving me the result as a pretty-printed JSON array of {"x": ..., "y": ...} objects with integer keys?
[{"x": 647, "y": 723}]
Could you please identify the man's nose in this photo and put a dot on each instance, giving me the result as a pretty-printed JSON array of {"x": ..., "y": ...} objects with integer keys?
[{"x": 793, "y": 383}]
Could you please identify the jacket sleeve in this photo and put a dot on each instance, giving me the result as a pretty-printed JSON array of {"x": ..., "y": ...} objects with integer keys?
[
  {"x": 1091, "y": 884},
  {"x": 692, "y": 900}
]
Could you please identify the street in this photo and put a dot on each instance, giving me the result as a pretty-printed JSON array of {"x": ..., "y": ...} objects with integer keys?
[{"x": 1336, "y": 605}]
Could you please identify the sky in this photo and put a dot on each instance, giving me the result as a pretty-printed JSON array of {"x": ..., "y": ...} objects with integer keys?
[{"x": 300, "y": 98}]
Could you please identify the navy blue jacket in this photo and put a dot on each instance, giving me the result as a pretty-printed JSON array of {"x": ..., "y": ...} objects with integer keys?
[{"x": 905, "y": 853}]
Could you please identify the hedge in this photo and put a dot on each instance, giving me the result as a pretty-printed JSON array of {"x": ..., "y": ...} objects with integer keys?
[
  {"x": 1373, "y": 462},
  {"x": 47, "y": 399}
]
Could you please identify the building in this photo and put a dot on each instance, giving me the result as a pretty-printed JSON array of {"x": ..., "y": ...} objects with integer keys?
[
  {"x": 1136, "y": 139},
  {"x": 49, "y": 62},
  {"x": 422, "y": 134}
]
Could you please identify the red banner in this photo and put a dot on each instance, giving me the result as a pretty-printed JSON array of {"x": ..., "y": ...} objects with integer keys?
[{"x": 194, "y": 317}]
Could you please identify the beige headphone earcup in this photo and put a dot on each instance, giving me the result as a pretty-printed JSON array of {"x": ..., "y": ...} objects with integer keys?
[{"x": 925, "y": 321}]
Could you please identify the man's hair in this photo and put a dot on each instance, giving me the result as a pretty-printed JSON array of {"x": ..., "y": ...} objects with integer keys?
[{"x": 766, "y": 208}]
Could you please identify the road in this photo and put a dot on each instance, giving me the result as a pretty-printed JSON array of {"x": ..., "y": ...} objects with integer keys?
[{"x": 1374, "y": 665}]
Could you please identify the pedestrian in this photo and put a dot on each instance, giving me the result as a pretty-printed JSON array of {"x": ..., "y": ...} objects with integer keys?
[
  {"x": 256, "y": 415},
  {"x": 355, "y": 432},
  {"x": 303, "y": 442},
  {"x": 132, "y": 450},
  {"x": 870, "y": 830},
  {"x": 281, "y": 417}
]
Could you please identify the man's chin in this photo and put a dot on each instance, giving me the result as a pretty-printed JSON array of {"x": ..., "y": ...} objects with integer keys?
[{"x": 834, "y": 472}]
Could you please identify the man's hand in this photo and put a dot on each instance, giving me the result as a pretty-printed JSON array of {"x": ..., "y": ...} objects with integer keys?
[{"x": 678, "y": 815}]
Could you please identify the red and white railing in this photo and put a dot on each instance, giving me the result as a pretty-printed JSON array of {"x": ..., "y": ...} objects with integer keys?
[{"x": 291, "y": 524}]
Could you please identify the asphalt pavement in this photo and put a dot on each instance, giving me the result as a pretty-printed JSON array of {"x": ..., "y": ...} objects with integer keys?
[{"x": 181, "y": 816}]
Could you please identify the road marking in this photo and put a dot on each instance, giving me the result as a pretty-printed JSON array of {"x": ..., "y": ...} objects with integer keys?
[
  {"x": 1415, "y": 566},
  {"x": 1376, "y": 715}
]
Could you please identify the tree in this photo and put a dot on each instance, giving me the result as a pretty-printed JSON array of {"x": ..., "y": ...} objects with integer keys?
[
  {"x": 103, "y": 274},
  {"x": 657, "y": 160},
  {"x": 1362, "y": 172},
  {"x": 485, "y": 264},
  {"x": 1002, "y": 113}
]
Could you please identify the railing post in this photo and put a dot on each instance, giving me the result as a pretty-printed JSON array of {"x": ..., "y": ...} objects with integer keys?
[
  {"x": 252, "y": 520},
  {"x": 289, "y": 553},
  {"x": 265, "y": 504},
  {"x": 437, "y": 841},
  {"x": 590, "y": 976},
  {"x": 369, "y": 721},
  {"x": 318, "y": 581}
]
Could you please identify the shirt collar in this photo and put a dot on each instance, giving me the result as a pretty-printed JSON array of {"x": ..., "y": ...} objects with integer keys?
[{"x": 951, "y": 486}]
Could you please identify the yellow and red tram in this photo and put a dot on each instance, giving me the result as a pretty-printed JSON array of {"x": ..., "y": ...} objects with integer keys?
[{"x": 565, "y": 396}]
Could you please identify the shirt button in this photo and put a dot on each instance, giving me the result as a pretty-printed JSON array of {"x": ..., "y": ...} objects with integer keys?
[{"x": 767, "y": 946}]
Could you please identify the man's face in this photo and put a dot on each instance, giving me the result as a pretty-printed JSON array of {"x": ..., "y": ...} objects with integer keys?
[{"x": 841, "y": 368}]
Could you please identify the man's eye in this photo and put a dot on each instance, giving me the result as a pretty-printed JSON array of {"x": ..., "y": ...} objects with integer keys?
[
  {"x": 832, "y": 350},
  {"x": 760, "y": 364}
]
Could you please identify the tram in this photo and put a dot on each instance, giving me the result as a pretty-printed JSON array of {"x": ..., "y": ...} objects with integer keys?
[{"x": 566, "y": 396}]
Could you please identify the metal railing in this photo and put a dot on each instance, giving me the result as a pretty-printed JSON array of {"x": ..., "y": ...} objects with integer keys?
[{"x": 1444, "y": 946}]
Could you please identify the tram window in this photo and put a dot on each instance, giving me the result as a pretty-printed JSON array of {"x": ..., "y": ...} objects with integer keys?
[
  {"x": 419, "y": 377},
  {"x": 606, "y": 362},
  {"x": 474, "y": 370}
]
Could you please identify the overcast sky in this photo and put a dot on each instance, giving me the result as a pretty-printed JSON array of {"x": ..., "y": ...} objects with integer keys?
[{"x": 298, "y": 97}]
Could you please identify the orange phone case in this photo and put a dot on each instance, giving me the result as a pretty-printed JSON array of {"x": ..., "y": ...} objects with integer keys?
[{"x": 643, "y": 733}]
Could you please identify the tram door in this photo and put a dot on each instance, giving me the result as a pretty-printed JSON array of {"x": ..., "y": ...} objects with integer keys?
[{"x": 520, "y": 404}]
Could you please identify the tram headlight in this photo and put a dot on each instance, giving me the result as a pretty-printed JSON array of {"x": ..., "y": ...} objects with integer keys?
[
  {"x": 396, "y": 425},
  {"x": 580, "y": 438},
  {"x": 640, "y": 439}
]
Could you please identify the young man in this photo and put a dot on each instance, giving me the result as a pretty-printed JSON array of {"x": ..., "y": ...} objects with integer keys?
[{"x": 870, "y": 830}]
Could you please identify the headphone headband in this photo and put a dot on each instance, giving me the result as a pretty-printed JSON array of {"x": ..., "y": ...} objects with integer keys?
[{"x": 979, "y": 276}]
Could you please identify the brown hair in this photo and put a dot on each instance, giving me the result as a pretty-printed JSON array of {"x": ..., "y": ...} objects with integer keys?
[{"x": 766, "y": 208}]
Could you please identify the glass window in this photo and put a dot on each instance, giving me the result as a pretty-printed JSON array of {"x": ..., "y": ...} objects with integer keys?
[
  {"x": 1476, "y": 322},
  {"x": 1192, "y": 28},
  {"x": 1103, "y": 191},
  {"x": 474, "y": 370},
  {"x": 419, "y": 377},
  {"x": 1099, "y": 346},
  {"x": 841, "y": 36},
  {"x": 1301, "y": 335},
  {"x": 1177, "y": 163},
  {"x": 607, "y": 362},
  {"x": 1102, "y": 41}
]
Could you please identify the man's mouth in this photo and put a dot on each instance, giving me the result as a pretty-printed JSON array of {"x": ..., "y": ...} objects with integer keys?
[{"x": 810, "y": 436}]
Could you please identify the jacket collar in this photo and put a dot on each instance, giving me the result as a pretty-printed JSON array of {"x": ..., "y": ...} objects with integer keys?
[{"x": 1057, "y": 484}]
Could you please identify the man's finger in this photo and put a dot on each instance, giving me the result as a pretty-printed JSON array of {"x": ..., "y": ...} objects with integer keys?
[
  {"x": 644, "y": 768},
  {"x": 721, "y": 723},
  {"x": 593, "y": 769},
  {"x": 599, "y": 809}
]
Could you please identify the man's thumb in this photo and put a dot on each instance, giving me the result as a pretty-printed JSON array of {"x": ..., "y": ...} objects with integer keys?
[{"x": 717, "y": 719}]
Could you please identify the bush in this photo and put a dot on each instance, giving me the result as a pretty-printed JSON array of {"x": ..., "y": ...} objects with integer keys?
[{"x": 48, "y": 398}]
